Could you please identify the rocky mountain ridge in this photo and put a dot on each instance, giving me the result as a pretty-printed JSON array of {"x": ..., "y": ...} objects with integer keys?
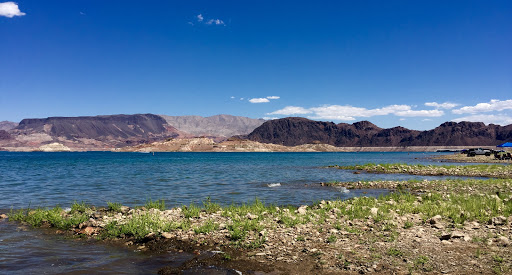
[
  {"x": 7, "y": 125},
  {"x": 107, "y": 132},
  {"x": 214, "y": 126},
  {"x": 295, "y": 131}
]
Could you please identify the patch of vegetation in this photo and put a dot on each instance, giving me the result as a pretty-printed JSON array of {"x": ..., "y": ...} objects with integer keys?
[
  {"x": 331, "y": 239},
  {"x": 395, "y": 252},
  {"x": 158, "y": 204},
  {"x": 139, "y": 226},
  {"x": 55, "y": 217},
  {"x": 79, "y": 207},
  {"x": 408, "y": 224},
  {"x": 207, "y": 227},
  {"x": 482, "y": 170},
  {"x": 114, "y": 206}
]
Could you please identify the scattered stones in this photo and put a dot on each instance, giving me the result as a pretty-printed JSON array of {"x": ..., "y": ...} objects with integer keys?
[
  {"x": 503, "y": 241},
  {"x": 125, "y": 209},
  {"x": 302, "y": 210},
  {"x": 500, "y": 220},
  {"x": 374, "y": 211},
  {"x": 3, "y": 216},
  {"x": 89, "y": 230},
  {"x": 251, "y": 216}
]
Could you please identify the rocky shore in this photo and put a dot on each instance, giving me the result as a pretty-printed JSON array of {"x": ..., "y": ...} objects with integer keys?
[
  {"x": 491, "y": 171},
  {"x": 450, "y": 228},
  {"x": 465, "y": 159}
]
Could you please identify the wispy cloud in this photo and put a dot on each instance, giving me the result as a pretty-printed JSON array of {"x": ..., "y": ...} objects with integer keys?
[
  {"x": 487, "y": 119},
  {"x": 445, "y": 105},
  {"x": 215, "y": 22},
  {"x": 263, "y": 99},
  {"x": 347, "y": 112},
  {"x": 212, "y": 21},
  {"x": 259, "y": 100},
  {"x": 291, "y": 110},
  {"x": 10, "y": 9},
  {"x": 491, "y": 106}
]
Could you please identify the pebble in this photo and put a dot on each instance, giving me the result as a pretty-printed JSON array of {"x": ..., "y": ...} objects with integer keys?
[{"x": 167, "y": 235}]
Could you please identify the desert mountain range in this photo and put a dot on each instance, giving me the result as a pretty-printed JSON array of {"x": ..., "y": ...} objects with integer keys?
[
  {"x": 295, "y": 131},
  {"x": 149, "y": 131}
]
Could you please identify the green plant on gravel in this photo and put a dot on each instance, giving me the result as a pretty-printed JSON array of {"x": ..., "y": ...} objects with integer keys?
[
  {"x": 158, "y": 204},
  {"x": 211, "y": 207},
  {"x": 256, "y": 243},
  {"x": 300, "y": 239},
  {"x": 395, "y": 252},
  {"x": 497, "y": 259},
  {"x": 55, "y": 217},
  {"x": 139, "y": 226},
  {"x": 114, "y": 206},
  {"x": 331, "y": 239},
  {"x": 226, "y": 257},
  {"x": 79, "y": 207},
  {"x": 191, "y": 211},
  {"x": 207, "y": 227},
  {"x": 408, "y": 224}
]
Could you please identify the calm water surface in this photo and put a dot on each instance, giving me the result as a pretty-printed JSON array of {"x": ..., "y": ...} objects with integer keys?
[{"x": 48, "y": 179}]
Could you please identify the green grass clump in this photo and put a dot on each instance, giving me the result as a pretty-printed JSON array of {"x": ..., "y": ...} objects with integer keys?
[
  {"x": 395, "y": 252},
  {"x": 55, "y": 217},
  {"x": 79, "y": 207},
  {"x": 207, "y": 227},
  {"x": 114, "y": 206},
  {"x": 138, "y": 227},
  {"x": 191, "y": 211},
  {"x": 483, "y": 170},
  {"x": 158, "y": 204},
  {"x": 331, "y": 239},
  {"x": 211, "y": 207}
]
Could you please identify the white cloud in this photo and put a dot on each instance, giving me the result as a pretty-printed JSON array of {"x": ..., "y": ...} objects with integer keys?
[
  {"x": 202, "y": 20},
  {"x": 291, "y": 110},
  {"x": 445, "y": 105},
  {"x": 269, "y": 118},
  {"x": 259, "y": 100},
  {"x": 273, "y": 97},
  {"x": 426, "y": 119},
  {"x": 215, "y": 22},
  {"x": 493, "y": 105},
  {"x": 10, "y": 9},
  {"x": 232, "y": 97},
  {"x": 420, "y": 113},
  {"x": 347, "y": 112},
  {"x": 487, "y": 119},
  {"x": 402, "y": 119}
]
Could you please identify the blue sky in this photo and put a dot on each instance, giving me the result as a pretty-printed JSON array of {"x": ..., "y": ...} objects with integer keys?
[{"x": 410, "y": 63}]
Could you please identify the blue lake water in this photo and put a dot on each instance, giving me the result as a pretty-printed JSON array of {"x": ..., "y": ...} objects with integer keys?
[{"x": 49, "y": 179}]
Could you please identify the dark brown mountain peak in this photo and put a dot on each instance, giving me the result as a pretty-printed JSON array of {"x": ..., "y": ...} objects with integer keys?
[
  {"x": 297, "y": 131},
  {"x": 365, "y": 125}
]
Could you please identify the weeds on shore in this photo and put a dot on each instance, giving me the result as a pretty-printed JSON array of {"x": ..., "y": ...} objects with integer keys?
[
  {"x": 55, "y": 217},
  {"x": 139, "y": 226},
  {"x": 158, "y": 204},
  {"x": 479, "y": 170},
  {"x": 256, "y": 216},
  {"x": 114, "y": 206}
]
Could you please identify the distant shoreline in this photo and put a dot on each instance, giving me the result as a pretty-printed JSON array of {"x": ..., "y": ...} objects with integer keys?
[{"x": 261, "y": 148}]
